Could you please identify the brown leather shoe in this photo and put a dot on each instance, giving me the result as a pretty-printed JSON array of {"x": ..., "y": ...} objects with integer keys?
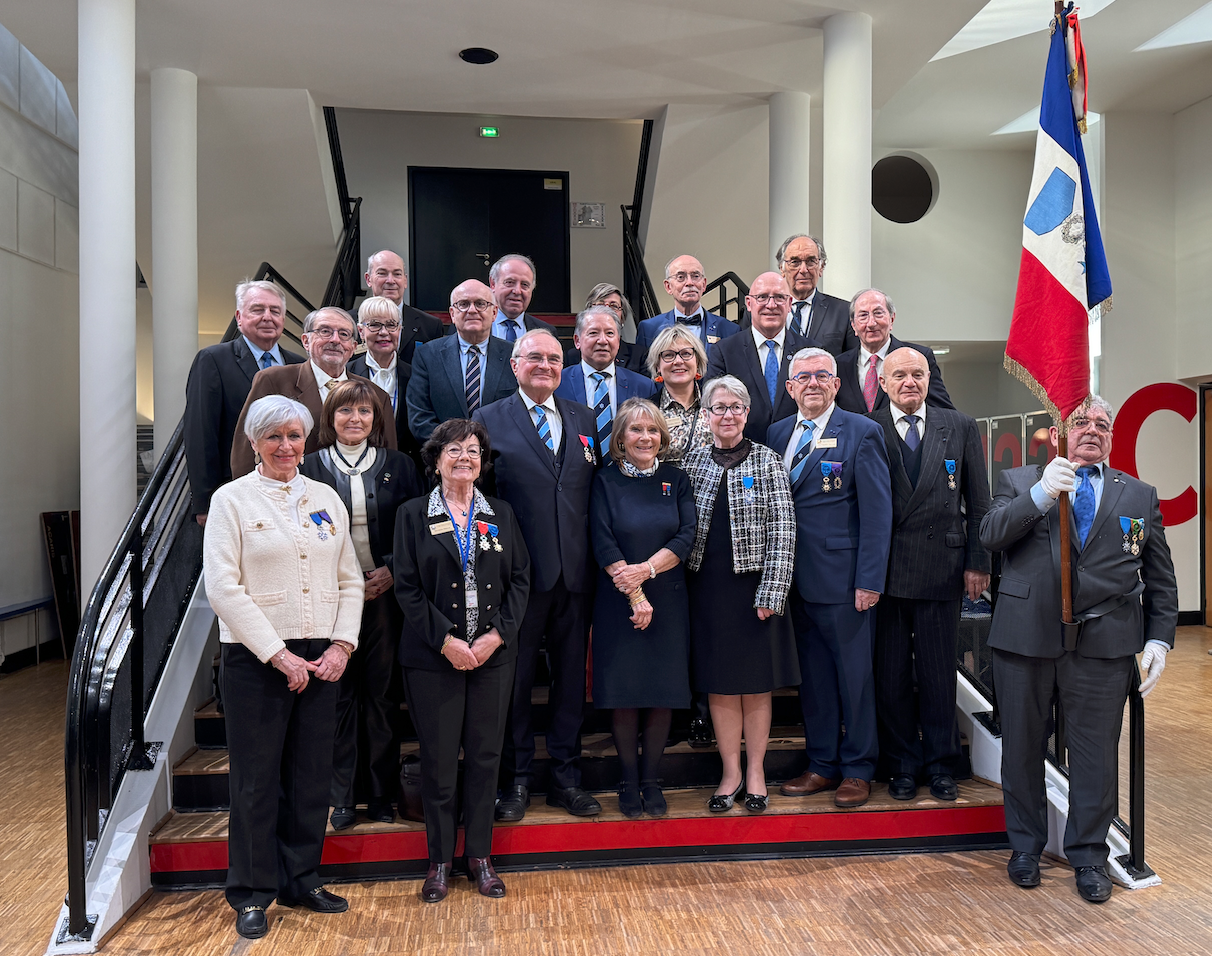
[
  {"x": 437, "y": 883},
  {"x": 808, "y": 783},
  {"x": 853, "y": 792},
  {"x": 485, "y": 877}
]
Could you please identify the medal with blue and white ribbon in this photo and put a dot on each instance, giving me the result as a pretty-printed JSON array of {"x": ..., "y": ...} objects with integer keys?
[
  {"x": 950, "y": 464},
  {"x": 747, "y": 482},
  {"x": 319, "y": 517},
  {"x": 1134, "y": 533},
  {"x": 831, "y": 469}
]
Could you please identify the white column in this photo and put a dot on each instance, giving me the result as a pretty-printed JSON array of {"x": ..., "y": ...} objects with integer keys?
[
  {"x": 106, "y": 43},
  {"x": 847, "y": 157},
  {"x": 789, "y": 121},
  {"x": 174, "y": 215}
]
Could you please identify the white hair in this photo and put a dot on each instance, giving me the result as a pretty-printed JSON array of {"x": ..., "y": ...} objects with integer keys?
[
  {"x": 275, "y": 411},
  {"x": 804, "y": 354},
  {"x": 584, "y": 314},
  {"x": 727, "y": 383},
  {"x": 530, "y": 334},
  {"x": 259, "y": 285}
]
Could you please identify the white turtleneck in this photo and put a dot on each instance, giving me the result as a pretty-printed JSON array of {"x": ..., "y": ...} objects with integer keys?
[
  {"x": 294, "y": 489},
  {"x": 357, "y": 496}
]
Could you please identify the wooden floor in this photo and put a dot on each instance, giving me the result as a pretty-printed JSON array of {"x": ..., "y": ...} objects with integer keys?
[{"x": 954, "y": 903}]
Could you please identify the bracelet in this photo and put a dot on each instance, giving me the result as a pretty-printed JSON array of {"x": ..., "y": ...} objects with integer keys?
[
  {"x": 446, "y": 643},
  {"x": 340, "y": 645},
  {"x": 651, "y": 570},
  {"x": 637, "y": 597}
]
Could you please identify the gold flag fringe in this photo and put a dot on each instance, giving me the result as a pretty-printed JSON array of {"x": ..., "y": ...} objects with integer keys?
[{"x": 1015, "y": 369}]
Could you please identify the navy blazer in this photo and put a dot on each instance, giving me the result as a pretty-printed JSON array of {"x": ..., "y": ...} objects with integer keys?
[
  {"x": 842, "y": 535},
  {"x": 717, "y": 328},
  {"x": 549, "y": 495},
  {"x": 850, "y": 395},
  {"x": 627, "y": 385},
  {"x": 435, "y": 391},
  {"x": 828, "y": 321},
  {"x": 416, "y": 327},
  {"x": 739, "y": 356}
]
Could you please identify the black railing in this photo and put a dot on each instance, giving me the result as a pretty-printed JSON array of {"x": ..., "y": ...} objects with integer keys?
[
  {"x": 737, "y": 299},
  {"x": 636, "y": 284},
  {"x": 345, "y": 280}
]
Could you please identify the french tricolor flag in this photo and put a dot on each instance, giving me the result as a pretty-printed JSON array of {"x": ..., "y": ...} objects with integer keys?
[{"x": 1063, "y": 271}]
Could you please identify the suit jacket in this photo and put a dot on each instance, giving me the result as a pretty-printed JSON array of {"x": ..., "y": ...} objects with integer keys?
[
  {"x": 404, "y": 437},
  {"x": 850, "y": 395},
  {"x": 629, "y": 357},
  {"x": 215, "y": 391},
  {"x": 739, "y": 356},
  {"x": 718, "y": 329},
  {"x": 416, "y": 327},
  {"x": 435, "y": 390},
  {"x": 1026, "y": 618},
  {"x": 549, "y": 494},
  {"x": 829, "y": 323},
  {"x": 627, "y": 385},
  {"x": 530, "y": 323},
  {"x": 936, "y": 524},
  {"x": 298, "y": 382},
  {"x": 841, "y": 535},
  {"x": 430, "y": 587},
  {"x": 394, "y": 480}
]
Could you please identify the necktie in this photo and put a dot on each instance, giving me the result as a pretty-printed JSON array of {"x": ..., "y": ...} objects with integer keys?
[
  {"x": 544, "y": 427},
  {"x": 601, "y": 409},
  {"x": 802, "y": 450},
  {"x": 772, "y": 369},
  {"x": 797, "y": 317},
  {"x": 1083, "y": 502},
  {"x": 471, "y": 381},
  {"x": 911, "y": 436},
  {"x": 871, "y": 384},
  {"x": 511, "y": 330},
  {"x": 329, "y": 386},
  {"x": 266, "y": 360}
]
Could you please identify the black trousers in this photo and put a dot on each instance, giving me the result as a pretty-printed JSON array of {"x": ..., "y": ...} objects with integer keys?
[
  {"x": 366, "y": 751},
  {"x": 563, "y": 617},
  {"x": 1092, "y": 693},
  {"x": 279, "y": 745},
  {"x": 921, "y": 636},
  {"x": 452, "y": 709}
]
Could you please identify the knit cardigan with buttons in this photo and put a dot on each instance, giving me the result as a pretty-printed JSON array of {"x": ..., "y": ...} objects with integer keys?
[{"x": 270, "y": 580}]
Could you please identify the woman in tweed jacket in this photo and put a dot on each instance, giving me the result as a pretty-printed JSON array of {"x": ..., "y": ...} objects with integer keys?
[{"x": 742, "y": 641}]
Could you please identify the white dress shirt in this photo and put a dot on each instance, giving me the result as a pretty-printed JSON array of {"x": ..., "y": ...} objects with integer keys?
[
  {"x": 553, "y": 416},
  {"x": 385, "y": 378},
  {"x": 865, "y": 357},
  {"x": 902, "y": 426},
  {"x": 763, "y": 350},
  {"x": 323, "y": 378},
  {"x": 819, "y": 425},
  {"x": 590, "y": 388},
  {"x": 805, "y": 315}
]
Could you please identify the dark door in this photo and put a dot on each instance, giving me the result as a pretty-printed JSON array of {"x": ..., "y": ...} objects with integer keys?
[{"x": 463, "y": 220}]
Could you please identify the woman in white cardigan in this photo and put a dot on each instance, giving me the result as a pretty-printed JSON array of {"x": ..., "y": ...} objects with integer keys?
[{"x": 283, "y": 578}]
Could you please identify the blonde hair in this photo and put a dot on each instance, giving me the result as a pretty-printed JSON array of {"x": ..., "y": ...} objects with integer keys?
[
  {"x": 628, "y": 412},
  {"x": 665, "y": 341}
]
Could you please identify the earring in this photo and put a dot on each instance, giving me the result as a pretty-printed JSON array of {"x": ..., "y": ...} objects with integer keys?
[
  {"x": 658, "y": 379},
  {"x": 301, "y": 457},
  {"x": 256, "y": 458},
  {"x": 697, "y": 376}
]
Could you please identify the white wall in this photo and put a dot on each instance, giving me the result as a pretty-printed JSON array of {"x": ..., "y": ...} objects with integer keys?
[
  {"x": 600, "y": 156},
  {"x": 39, "y": 308},
  {"x": 1193, "y": 239}
]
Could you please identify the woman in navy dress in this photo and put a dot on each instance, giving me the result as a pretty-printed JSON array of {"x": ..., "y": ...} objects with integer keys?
[{"x": 641, "y": 520}]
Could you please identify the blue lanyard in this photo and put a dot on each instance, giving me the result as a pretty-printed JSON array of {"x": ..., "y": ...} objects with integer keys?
[{"x": 464, "y": 549}]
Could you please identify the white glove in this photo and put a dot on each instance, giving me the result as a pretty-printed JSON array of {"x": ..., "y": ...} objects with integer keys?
[
  {"x": 1153, "y": 662},
  {"x": 1058, "y": 476}
]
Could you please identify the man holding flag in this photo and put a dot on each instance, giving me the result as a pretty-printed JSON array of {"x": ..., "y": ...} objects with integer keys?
[{"x": 1083, "y": 543}]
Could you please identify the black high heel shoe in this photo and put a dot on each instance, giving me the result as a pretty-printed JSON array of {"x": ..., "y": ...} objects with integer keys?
[{"x": 722, "y": 802}]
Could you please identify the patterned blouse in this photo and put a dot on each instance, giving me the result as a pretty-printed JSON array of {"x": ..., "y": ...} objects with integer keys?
[
  {"x": 437, "y": 508},
  {"x": 688, "y": 428}
]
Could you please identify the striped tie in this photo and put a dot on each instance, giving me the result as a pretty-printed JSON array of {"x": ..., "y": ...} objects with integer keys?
[
  {"x": 802, "y": 450},
  {"x": 601, "y": 409},
  {"x": 544, "y": 427},
  {"x": 471, "y": 381}
]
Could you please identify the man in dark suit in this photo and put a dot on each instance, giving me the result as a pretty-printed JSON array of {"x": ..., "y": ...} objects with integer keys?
[
  {"x": 814, "y": 313},
  {"x": 940, "y": 493},
  {"x": 1124, "y": 591},
  {"x": 843, "y": 514},
  {"x": 383, "y": 363},
  {"x": 455, "y": 375},
  {"x": 543, "y": 463},
  {"x": 761, "y": 355},
  {"x": 597, "y": 380},
  {"x": 686, "y": 282},
  {"x": 872, "y": 315},
  {"x": 386, "y": 276},
  {"x": 218, "y": 384},
  {"x": 329, "y": 336},
  {"x": 512, "y": 279}
]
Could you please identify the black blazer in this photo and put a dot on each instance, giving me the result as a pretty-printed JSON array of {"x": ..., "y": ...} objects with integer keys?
[
  {"x": 548, "y": 493},
  {"x": 430, "y": 589},
  {"x": 215, "y": 392},
  {"x": 828, "y": 323},
  {"x": 933, "y": 540},
  {"x": 395, "y": 481},
  {"x": 850, "y": 395},
  {"x": 435, "y": 391},
  {"x": 738, "y": 355},
  {"x": 404, "y": 437},
  {"x": 416, "y": 327}
]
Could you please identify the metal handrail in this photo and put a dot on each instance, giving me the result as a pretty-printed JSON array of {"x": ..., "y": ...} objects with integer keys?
[
  {"x": 721, "y": 283},
  {"x": 637, "y": 286}
]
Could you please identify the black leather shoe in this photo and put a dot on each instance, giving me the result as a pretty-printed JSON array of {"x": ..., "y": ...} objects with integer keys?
[
  {"x": 942, "y": 787},
  {"x": 902, "y": 786},
  {"x": 380, "y": 811},
  {"x": 318, "y": 900},
  {"x": 1093, "y": 883},
  {"x": 700, "y": 733},
  {"x": 629, "y": 801},
  {"x": 251, "y": 922},
  {"x": 485, "y": 877},
  {"x": 437, "y": 883},
  {"x": 513, "y": 804},
  {"x": 575, "y": 800},
  {"x": 756, "y": 802},
  {"x": 722, "y": 802},
  {"x": 1023, "y": 869},
  {"x": 343, "y": 817},
  {"x": 654, "y": 799}
]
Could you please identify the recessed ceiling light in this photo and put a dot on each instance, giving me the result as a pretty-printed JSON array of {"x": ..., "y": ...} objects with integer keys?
[
  {"x": 1000, "y": 20},
  {"x": 1195, "y": 28},
  {"x": 941, "y": 350},
  {"x": 478, "y": 54},
  {"x": 1029, "y": 122}
]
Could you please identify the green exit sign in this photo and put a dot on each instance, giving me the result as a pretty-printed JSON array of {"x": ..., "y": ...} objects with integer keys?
[{"x": 489, "y": 132}]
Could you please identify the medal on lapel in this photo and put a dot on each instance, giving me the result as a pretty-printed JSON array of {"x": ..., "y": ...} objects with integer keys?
[
  {"x": 482, "y": 527},
  {"x": 320, "y": 517},
  {"x": 950, "y": 463},
  {"x": 496, "y": 541},
  {"x": 747, "y": 483},
  {"x": 587, "y": 442},
  {"x": 666, "y": 487},
  {"x": 826, "y": 476},
  {"x": 1134, "y": 533}
]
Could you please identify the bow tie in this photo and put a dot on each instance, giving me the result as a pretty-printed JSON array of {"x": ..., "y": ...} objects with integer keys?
[{"x": 696, "y": 319}]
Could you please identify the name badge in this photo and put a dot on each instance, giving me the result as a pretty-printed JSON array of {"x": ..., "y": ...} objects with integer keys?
[
  {"x": 712, "y": 339},
  {"x": 473, "y": 600},
  {"x": 826, "y": 443},
  {"x": 442, "y": 527}
]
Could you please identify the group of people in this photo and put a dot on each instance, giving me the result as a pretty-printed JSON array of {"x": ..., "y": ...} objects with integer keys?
[{"x": 730, "y": 508}]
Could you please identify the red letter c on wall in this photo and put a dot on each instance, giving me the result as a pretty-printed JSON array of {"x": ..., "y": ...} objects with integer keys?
[{"x": 1164, "y": 396}]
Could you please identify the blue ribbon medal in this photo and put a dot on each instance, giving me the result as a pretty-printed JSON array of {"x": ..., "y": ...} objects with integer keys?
[
  {"x": 1134, "y": 533},
  {"x": 950, "y": 463},
  {"x": 831, "y": 469},
  {"x": 320, "y": 517},
  {"x": 747, "y": 482}
]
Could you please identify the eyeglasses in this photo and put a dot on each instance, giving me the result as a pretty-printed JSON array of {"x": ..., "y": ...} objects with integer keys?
[
  {"x": 535, "y": 358},
  {"x": 324, "y": 332},
  {"x": 683, "y": 276},
  {"x": 684, "y": 354},
  {"x": 1100, "y": 426},
  {"x": 796, "y": 264},
  {"x": 467, "y": 305},
  {"x": 719, "y": 411},
  {"x": 377, "y": 326},
  {"x": 454, "y": 452},
  {"x": 821, "y": 378},
  {"x": 877, "y": 315},
  {"x": 775, "y": 297}
]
